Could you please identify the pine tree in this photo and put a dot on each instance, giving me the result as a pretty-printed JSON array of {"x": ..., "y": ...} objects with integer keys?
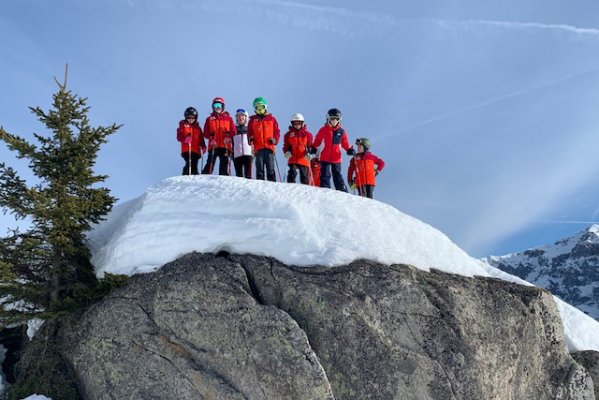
[{"x": 46, "y": 270}]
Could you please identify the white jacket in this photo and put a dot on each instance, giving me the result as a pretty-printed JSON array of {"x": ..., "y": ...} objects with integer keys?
[{"x": 241, "y": 147}]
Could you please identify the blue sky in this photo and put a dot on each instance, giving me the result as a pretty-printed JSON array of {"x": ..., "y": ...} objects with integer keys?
[{"x": 485, "y": 112}]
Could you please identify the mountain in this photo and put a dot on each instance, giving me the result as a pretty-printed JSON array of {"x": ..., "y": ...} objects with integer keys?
[{"x": 569, "y": 268}]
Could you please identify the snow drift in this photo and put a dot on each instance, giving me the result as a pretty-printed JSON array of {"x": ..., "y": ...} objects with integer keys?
[{"x": 296, "y": 224}]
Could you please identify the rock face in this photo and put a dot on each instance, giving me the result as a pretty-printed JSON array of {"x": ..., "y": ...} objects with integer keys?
[
  {"x": 568, "y": 268},
  {"x": 246, "y": 327},
  {"x": 590, "y": 360}
]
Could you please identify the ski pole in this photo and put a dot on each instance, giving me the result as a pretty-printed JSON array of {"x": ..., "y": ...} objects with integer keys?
[{"x": 274, "y": 153}]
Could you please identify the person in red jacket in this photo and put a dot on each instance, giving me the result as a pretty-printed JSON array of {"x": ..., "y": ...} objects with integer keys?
[
  {"x": 364, "y": 168},
  {"x": 219, "y": 128},
  {"x": 296, "y": 144},
  {"x": 334, "y": 138},
  {"x": 190, "y": 135},
  {"x": 315, "y": 171},
  {"x": 263, "y": 135}
]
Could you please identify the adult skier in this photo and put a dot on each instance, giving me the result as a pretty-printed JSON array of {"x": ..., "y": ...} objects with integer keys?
[
  {"x": 296, "y": 145},
  {"x": 242, "y": 151},
  {"x": 364, "y": 168},
  {"x": 263, "y": 135},
  {"x": 334, "y": 138},
  {"x": 189, "y": 134},
  {"x": 219, "y": 128}
]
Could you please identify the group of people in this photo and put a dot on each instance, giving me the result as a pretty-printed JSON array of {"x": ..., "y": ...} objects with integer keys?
[{"x": 255, "y": 137}]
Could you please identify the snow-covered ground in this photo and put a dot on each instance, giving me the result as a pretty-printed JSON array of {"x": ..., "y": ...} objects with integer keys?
[{"x": 296, "y": 224}]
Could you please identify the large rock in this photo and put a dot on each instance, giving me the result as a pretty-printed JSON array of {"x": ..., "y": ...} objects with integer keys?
[
  {"x": 590, "y": 360},
  {"x": 245, "y": 327}
]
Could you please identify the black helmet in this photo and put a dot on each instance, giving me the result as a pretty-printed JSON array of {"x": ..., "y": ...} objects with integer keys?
[
  {"x": 334, "y": 113},
  {"x": 190, "y": 111}
]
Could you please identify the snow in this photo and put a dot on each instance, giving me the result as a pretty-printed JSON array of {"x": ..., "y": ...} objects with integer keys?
[{"x": 296, "y": 224}]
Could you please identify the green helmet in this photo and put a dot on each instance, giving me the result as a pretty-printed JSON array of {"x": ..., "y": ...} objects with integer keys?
[
  {"x": 259, "y": 100},
  {"x": 364, "y": 142}
]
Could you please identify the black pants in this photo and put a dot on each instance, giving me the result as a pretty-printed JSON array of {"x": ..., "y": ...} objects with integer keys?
[
  {"x": 194, "y": 163},
  {"x": 325, "y": 176},
  {"x": 366, "y": 191},
  {"x": 223, "y": 161},
  {"x": 265, "y": 160},
  {"x": 292, "y": 173},
  {"x": 243, "y": 166}
]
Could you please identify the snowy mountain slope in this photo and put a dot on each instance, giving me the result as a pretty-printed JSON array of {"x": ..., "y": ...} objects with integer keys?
[
  {"x": 296, "y": 224},
  {"x": 568, "y": 268}
]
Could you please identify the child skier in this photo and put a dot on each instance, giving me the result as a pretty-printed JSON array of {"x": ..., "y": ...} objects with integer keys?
[
  {"x": 296, "y": 143},
  {"x": 334, "y": 137},
  {"x": 242, "y": 151},
  {"x": 219, "y": 128},
  {"x": 263, "y": 135},
  {"x": 363, "y": 169},
  {"x": 190, "y": 135},
  {"x": 315, "y": 171}
]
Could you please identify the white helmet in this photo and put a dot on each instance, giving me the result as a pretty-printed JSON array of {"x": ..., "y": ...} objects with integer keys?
[{"x": 297, "y": 117}]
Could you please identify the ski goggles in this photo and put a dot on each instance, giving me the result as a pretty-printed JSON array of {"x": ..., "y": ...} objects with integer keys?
[
  {"x": 260, "y": 107},
  {"x": 359, "y": 141},
  {"x": 334, "y": 118},
  {"x": 217, "y": 105},
  {"x": 241, "y": 111}
]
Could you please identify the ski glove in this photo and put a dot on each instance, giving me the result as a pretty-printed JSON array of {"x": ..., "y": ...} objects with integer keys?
[
  {"x": 313, "y": 150},
  {"x": 351, "y": 151},
  {"x": 308, "y": 156},
  {"x": 204, "y": 149},
  {"x": 376, "y": 172},
  {"x": 187, "y": 140},
  {"x": 352, "y": 184},
  {"x": 227, "y": 140},
  {"x": 212, "y": 144},
  {"x": 272, "y": 140},
  {"x": 288, "y": 155}
]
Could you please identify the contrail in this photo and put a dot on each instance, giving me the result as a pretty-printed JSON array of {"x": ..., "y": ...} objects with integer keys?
[{"x": 491, "y": 101}]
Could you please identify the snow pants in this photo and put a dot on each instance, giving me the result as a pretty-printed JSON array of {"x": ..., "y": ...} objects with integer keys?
[
  {"x": 223, "y": 161},
  {"x": 243, "y": 166},
  {"x": 325, "y": 176},
  {"x": 195, "y": 157},
  {"x": 292, "y": 173},
  {"x": 265, "y": 161},
  {"x": 366, "y": 191}
]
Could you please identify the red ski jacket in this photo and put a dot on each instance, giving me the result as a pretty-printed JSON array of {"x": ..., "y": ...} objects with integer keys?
[
  {"x": 333, "y": 140},
  {"x": 197, "y": 138},
  {"x": 261, "y": 129},
  {"x": 297, "y": 141},
  {"x": 219, "y": 127},
  {"x": 315, "y": 171},
  {"x": 363, "y": 165}
]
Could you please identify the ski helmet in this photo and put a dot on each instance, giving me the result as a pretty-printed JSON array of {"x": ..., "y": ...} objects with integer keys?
[
  {"x": 241, "y": 111},
  {"x": 334, "y": 113},
  {"x": 364, "y": 142},
  {"x": 259, "y": 100},
  {"x": 297, "y": 117},
  {"x": 218, "y": 100},
  {"x": 190, "y": 111}
]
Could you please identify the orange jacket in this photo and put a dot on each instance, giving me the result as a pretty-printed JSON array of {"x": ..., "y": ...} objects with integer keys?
[
  {"x": 315, "y": 171},
  {"x": 261, "y": 129},
  {"x": 297, "y": 141},
  {"x": 197, "y": 138},
  {"x": 333, "y": 139},
  {"x": 219, "y": 127},
  {"x": 363, "y": 165}
]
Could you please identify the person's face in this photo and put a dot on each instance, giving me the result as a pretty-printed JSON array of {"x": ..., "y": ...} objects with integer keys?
[
  {"x": 218, "y": 107},
  {"x": 360, "y": 148},
  {"x": 297, "y": 124},
  {"x": 241, "y": 119},
  {"x": 333, "y": 121},
  {"x": 190, "y": 119},
  {"x": 260, "y": 109}
]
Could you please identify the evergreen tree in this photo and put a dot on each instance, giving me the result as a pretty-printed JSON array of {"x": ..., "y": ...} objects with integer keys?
[{"x": 46, "y": 270}]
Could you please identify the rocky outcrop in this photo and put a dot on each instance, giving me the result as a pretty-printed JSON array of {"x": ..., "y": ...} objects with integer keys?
[
  {"x": 590, "y": 360},
  {"x": 246, "y": 327}
]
